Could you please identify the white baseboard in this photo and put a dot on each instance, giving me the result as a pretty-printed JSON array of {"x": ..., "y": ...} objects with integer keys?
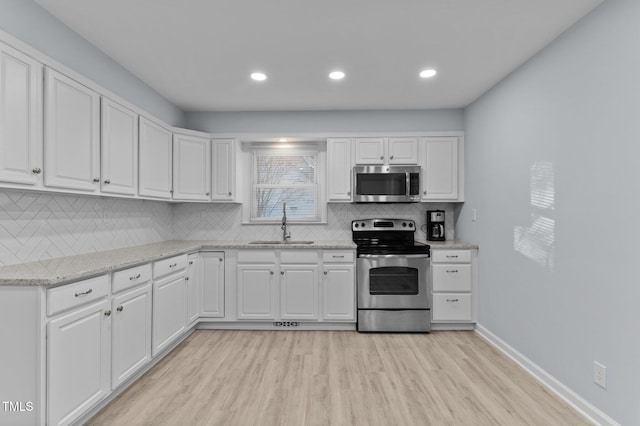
[{"x": 584, "y": 407}]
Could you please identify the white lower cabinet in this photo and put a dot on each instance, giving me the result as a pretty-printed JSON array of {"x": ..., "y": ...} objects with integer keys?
[
  {"x": 193, "y": 281},
  {"x": 78, "y": 361},
  {"x": 256, "y": 292},
  {"x": 299, "y": 292},
  {"x": 338, "y": 292},
  {"x": 169, "y": 310},
  {"x": 454, "y": 278},
  {"x": 131, "y": 333},
  {"x": 212, "y": 292}
]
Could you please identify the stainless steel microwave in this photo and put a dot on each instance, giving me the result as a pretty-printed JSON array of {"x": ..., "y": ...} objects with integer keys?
[{"x": 386, "y": 184}]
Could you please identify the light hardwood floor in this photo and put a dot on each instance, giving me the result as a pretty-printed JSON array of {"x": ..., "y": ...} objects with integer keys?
[{"x": 218, "y": 377}]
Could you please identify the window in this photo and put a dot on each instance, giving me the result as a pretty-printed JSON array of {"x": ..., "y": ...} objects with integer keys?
[{"x": 286, "y": 175}]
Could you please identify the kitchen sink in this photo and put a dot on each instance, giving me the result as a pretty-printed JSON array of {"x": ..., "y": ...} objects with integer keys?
[{"x": 278, "y": 242}]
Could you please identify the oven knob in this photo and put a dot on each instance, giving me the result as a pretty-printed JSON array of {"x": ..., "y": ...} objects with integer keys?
[
  {"x": 404, "y": 224},
  {"x": 357, "y": 225},
  {"x": 410, "y": 225},
  {"x": 363, "y": 224}
]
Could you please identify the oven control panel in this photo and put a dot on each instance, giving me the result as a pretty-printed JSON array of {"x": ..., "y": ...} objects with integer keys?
[{"x": 383, "y": 225}]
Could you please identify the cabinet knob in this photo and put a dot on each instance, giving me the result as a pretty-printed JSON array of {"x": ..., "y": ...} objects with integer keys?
[
  {"x": 208, "y": 193},
  {"x": 107, "y": 313},
  {"x": 37, "y": 170},
  {"x": 120, "y": 308},
  {"x": 391, "y": 157},
  {"x": 382, "y": 157},
  {"x": 186, "y": 278},
  {"x": 191, "y": 262},
  {"x": 281, "y": 272},
  {"x": 229, "y": 193},
  {"x": 96, "y": 180},
  {"x": 271, "y": 272},
  {"x": 107, "y": 181},
  {"x": 325, "y": 272},
  {"x": 425, "y": 192},
  {"x": 221, "y": 259}
]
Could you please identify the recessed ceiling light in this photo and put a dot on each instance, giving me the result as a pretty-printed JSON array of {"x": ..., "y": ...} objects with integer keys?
[
  {"x": 258, "y": 76},
  {"x": 336, "y": 75},
  {"x": 283, "y": 140},
  {"x": 428, "y": 73}
]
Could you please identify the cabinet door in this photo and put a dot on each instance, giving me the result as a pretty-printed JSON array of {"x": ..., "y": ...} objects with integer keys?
[
  {"x": 169, "y": 311},
  {"x": 403, "y": 150},
  {"x": 191, "y": 168},
  {"x": 131, "y": 333},
  {"x": 256, "y": 292},
  {"x": 119, "y": 149},
  {"x": 224, "y": 170},
  {"x": 155, "y": 160},
  {"x": 20, "y": 117},
  {"x": 440, "y": 170},
  {"x": 340, "y": 168},
  {"x": 299, "y": 292},
  {"x": 212, "y": 284},
  {"x": 194, "y": 281},
  {"x": 370, "y": 151},
  {"x": 71, "y": 135},
  {"x": 338, "y": 293},
  {"x": 78, "y": 361}
]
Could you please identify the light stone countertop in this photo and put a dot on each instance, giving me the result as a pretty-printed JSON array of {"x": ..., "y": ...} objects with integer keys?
[
  {"x": 60, "y": 270},
  {"x": 450, "y": 245}
]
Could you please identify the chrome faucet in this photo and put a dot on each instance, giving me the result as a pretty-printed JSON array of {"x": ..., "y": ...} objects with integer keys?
[{"x": 285, "y": 236}]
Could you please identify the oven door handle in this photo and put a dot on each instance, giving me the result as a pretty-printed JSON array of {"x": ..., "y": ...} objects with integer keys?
[{"x": 394, "y": 256}]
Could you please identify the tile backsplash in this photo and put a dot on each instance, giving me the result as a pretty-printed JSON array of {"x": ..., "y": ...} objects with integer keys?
[
  {"x": 224, "y": 222},
  {"x": 37, "y": 226}
]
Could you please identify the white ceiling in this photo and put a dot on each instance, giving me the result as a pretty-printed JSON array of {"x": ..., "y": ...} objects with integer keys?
[{"x": 199, "y": 53}]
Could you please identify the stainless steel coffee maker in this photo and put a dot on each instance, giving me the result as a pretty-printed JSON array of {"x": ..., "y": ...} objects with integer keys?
[{"x": 435, "y": 225}]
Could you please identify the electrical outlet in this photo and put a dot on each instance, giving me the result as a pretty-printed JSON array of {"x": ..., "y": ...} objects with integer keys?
[{"x": 599, "y": 374}]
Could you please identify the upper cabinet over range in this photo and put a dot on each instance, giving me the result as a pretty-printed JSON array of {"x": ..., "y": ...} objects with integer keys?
[{"x": 386, "y": 150}]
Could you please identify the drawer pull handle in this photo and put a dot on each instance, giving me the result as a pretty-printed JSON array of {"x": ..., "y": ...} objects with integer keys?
[
  {"x": 452, "y": 271},
  {"x": 173, "y": 265},
  {"x": 453, "y": 300},
  {"x": 84, "y": 292},
  {"x": 135, "y": 277},
  {"x": 120, "y": 308},
  {"x": 338, "y": 257},
  {"x": 455, "y": 256}
]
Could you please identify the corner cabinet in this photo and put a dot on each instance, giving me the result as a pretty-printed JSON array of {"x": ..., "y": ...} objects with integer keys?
[
  {"x": 71, "y": 134},
  {"x": 156, "y": 157},
  {"x": 442, "y": 167},
  {"x": 119, "y": 149},
  {"x": 20, "y": 117},
  {"x": 223, "y": 174},
  {"x": 191, "y": 167}
]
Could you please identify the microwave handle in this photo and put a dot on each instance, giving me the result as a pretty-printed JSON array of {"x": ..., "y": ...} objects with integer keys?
[{"x": 407, "y": 184}]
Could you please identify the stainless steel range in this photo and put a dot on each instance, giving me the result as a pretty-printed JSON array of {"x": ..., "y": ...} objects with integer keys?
[{"x": 393, "y": 275}]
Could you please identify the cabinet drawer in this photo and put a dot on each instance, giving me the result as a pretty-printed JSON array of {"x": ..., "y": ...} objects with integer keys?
[
  {"x": 452, "y": 277},
  {"x": 299, "y": 256},
  {"x": 452, "y": 307},
  {"x": 68, "y": 296},
  {"x": 167, "y": 266},
  {"x": 256, "y": 256},
  {"x": 333, "y": 256},
  {"x": 131, "y": 277},
  {"x": 451, "y": 256}
]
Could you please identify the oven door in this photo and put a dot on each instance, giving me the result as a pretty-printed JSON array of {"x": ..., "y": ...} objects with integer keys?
[{"x": 393, "y": 281}]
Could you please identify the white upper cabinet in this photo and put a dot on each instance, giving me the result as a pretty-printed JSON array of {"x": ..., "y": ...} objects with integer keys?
[
  {"x": 119, "y": 149},
  {"x": 155, "y": 160},
  {"x": 72, "y": 134},
  {"x": 223, "y": 173},
  {"x": 440, "y": 169},
  {"x": 386, "y": 150},
  {"x": 370, "y": 151},
  {"x": 20, "y": 117},
  {"x": 402, "y": 150},
  {"x": 339, "y": 163},
  {"x": 191, "y": 167}
]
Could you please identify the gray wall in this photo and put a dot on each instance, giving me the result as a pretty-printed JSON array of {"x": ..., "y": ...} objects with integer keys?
[
  {"x": 30, "y": 23},
  {"x": 552, "y": 151},
  {"x": 326, "y": 121}
]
